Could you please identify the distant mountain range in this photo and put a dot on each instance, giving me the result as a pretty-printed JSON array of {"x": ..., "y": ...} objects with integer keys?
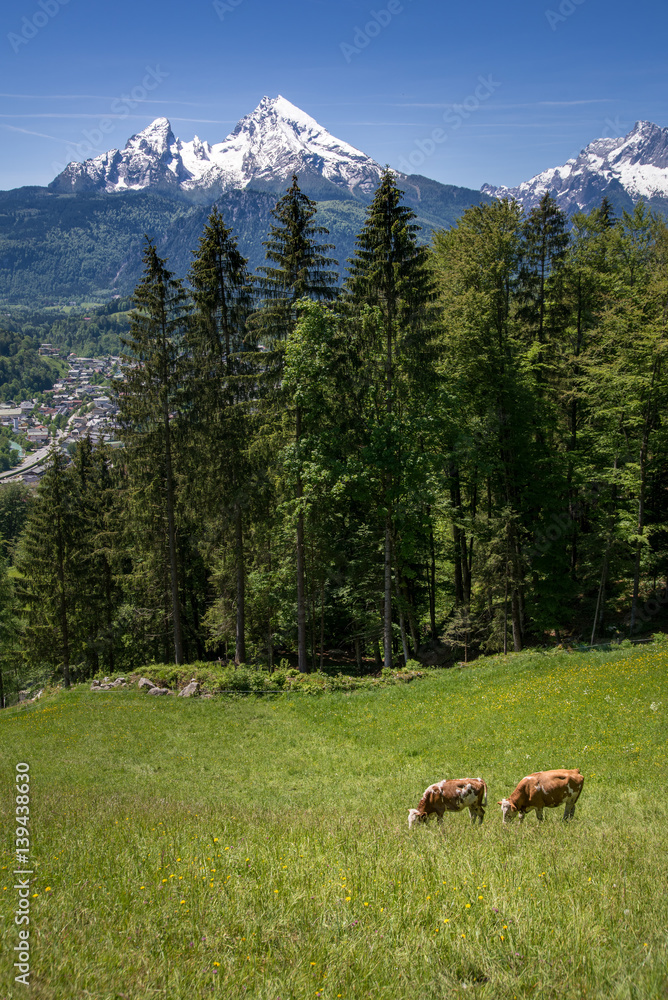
[
  {"x": 623, "y": 170},
  {"x": 81, "y": 237},
  {"x": 266, "y": 148}
]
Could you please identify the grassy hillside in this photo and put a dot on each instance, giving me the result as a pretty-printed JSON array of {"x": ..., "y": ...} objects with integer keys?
[{"x": 259, "y": 848}]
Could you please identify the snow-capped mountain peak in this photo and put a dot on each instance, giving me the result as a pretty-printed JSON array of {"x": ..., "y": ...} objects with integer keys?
[
  {"x": 155, "y": 138},
  {"x": 634, "y": 166},
  {"x": 267, "y": 146}
]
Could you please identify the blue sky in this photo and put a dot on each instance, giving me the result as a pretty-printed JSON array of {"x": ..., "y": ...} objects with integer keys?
[{"x": 379, "y": 75}]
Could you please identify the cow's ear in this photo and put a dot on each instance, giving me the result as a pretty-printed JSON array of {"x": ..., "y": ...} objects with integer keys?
[{"x": 499, "y": 803}]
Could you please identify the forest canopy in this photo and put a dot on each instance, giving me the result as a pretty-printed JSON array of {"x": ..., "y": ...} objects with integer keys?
[{"x": 460, "y": 450}]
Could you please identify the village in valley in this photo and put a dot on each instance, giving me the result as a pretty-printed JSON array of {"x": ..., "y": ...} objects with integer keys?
[{"x": 81, "y": 404}]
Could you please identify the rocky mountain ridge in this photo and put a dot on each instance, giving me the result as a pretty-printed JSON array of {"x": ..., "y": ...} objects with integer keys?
[
  {"x": 625, "y": 169},
  {"x": 267, "y": 146}
]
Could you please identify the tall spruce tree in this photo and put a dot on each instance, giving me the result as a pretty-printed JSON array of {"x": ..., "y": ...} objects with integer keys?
[
  {"x": 221, "y": 384},
  {"x": 149, "y": 398},
  {"x": 96, "y": 509},
  {"x": 49, "y": 572},
  {"x": 389, "y": 273},
  {"x": 297, "y": 267},
  {"x": 542, "y": 308}
]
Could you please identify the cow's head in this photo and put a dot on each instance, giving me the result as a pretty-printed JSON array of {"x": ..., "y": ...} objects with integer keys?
[
  {"x": 415, "y": 817},
  {"x": 508, "y": 809}
]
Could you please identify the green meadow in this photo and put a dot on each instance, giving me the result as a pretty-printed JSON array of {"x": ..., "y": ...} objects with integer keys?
[{"x": 259, "y": 847}]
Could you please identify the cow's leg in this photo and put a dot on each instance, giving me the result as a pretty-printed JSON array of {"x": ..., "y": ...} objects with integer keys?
[
  {"x": 569, "y": 811},
  {"x": 539, "y": 815},
  {"x": 521, "y": 815},
  {"x": 473, "y": 812}
]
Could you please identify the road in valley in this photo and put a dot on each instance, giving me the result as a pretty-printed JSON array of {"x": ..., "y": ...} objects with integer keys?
[{"x": 30, "y": 461}]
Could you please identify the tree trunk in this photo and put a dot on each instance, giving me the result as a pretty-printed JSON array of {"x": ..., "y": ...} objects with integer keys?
[
  {"x": 517, "y": 620},
  {"x": 301, "y": 589},
  {"x": 171, "y": 532},
  {"x": 459, "y": 587},
  {"x": 270, "y": 635},
  {"x": 402, "y": 627},
  {"x": 640, "y": 531},
  {"x": 432, "y": 587},
  {"x": 600, "y": 599},
  {"x": 322, "y": 623},
  {"x": 63, "y": 604},
  {"x": 110, "y": 613},
  {"x": 387, "y": 616},
  {"x": 505, "y": 614},
  {"x": 240, "y": 650}
]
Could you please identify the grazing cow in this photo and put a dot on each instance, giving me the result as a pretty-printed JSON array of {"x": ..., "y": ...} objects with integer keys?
[
  {"x": 451, "y": 796},
  {"x": 544, "y": 788}
]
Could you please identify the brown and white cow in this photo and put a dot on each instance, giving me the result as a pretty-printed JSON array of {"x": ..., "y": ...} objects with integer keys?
[
  {"x": 544, "y": 788},
  {"x": 451, "y": 796}
]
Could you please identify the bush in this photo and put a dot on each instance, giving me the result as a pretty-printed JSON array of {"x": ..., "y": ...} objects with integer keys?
[{"x": 278, "y": 679}]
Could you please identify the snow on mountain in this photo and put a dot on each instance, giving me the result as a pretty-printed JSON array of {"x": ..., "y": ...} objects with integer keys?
[
  {"x": 267, "y": 146},
  {"x": 635, "y": 165}
]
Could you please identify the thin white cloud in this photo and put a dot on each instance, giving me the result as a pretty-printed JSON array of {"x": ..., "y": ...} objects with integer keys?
[
  {"x": 506, "y": 107},
  {"x": 121, "y": 117},
  {"x": 97, "y": 97},
  {"x": 27, "y": 131}
]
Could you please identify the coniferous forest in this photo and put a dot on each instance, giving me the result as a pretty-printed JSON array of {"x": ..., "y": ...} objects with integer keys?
[{"x": 460, "y": 449}]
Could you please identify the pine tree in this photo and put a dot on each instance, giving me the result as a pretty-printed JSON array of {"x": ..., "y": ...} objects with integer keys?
[
  {"x": 586, "y": 280},
  {"x": 542, "y": 307},
  {"x": 221, "y": 382},
  {"x": 606, "y": 213},
  {"x": 96, "y": 510},
  {"x": 49, "y": 572},
  {"x": 389, "y": 274},
  {"x": 222, "y": 293},
  {"x": 297, "y": 268},
  {"x": 147, "y": 402}
]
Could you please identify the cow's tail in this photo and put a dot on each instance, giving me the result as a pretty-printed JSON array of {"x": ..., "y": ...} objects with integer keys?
[{"x": 484, "y": 785}]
